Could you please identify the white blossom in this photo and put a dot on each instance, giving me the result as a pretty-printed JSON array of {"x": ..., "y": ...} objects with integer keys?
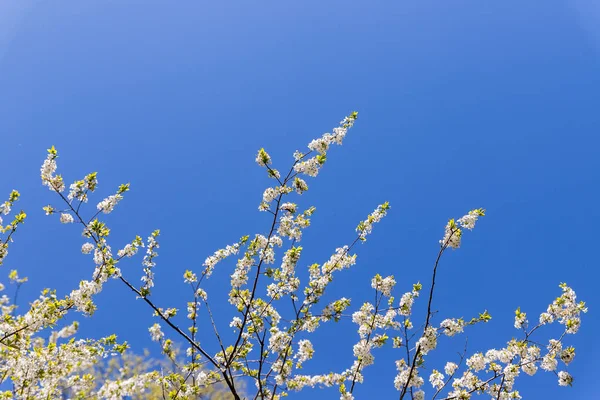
[
  {"x": 365, "y": 227},
  {"x": 109, "y": 203},
  {"x": 520, "y": 319},
  {"x": 436, "y": 379},
  {"x": 468, "y": 221},
  {"x": 428, "y": 341},
  {"x": 451, "y": 326},
  {"x": 66, "y": 218},
  {"x": 218, "y": 256},
  {"x": 263, "y": 158},
  {"x": 383, "y": 285},
  {"x": 87, "y": 248},
  {"x": 450, "y": 368},
  {"x": 476, "y": 362},
  {"x": 156, "y": 332},
  {"x": 305, "y": 351},
  {"x": 564, "y": 379}
]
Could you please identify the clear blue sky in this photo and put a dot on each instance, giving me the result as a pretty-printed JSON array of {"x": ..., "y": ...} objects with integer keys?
[{"x": 462, "y": 105}]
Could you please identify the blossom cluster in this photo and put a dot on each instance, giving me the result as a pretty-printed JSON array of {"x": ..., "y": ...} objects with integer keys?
[{"x": 9, "y": 229}]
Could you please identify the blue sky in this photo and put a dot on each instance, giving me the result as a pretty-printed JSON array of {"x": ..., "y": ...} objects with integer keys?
[{"x": 462, "y": 105}]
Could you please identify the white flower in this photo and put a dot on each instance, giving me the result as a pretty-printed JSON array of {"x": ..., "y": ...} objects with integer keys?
[
  {"x": 406, "y": 303},
  {"x": 263, "y": 158},
  {"x": 549, "y": 362},
  {"x": 476, "y": 362},
  {"x": 452, "y": 235},
  {"x": 236, "y": 322},
  {"x": 87, "y": 248},
  {"x": 529, "y": 368},
  {"x": 270, "y": 194},
  {"x": 305, "y": 351},
  {"x": 310, "y": 324},
  {"x": 109, "y": 203},
  {"x": 128, "y": 251},
  {"x": 567, "y": 310},
  {"x": 156, "y": 333},
  {"x": 450, "y": 368},
  {"x": 126, "y": 388},
  {"x": 401, "y": 378},
  {"x": 365, "y": 227},
  {"x": 300, "y": 185},
  {"x": 66, "y": 218},
  {"x": 383, "y": 285},
  {"x": 436, "y": 379},
  {"x": 468, "y": 221},
  {"x": 452, "y": 326},
  {"x": 189, "y": 277},
  {"x": 201, "y": 293},
  {"x": 309, "y": 167},
  {"x": 362, "y": 351},
  {"x": 528, "y": 361},
  {"x": 82, "y": 297},
  {"x": 278, "y": 341},
  {"x": 520, "y": 319},
  {"x": 567, "y": 355},
  {"x": 219, "y": 255},
  {"x": 148, "y": 263},
  {"x": 564, "y": 379},
  {"x": 5, "y": 209},
  {"x": 291, "y": 207},
  {"x": 53, "y": 182},
  {"x": 546, "y": 318},
  {"x": 428, "y": 341}
]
